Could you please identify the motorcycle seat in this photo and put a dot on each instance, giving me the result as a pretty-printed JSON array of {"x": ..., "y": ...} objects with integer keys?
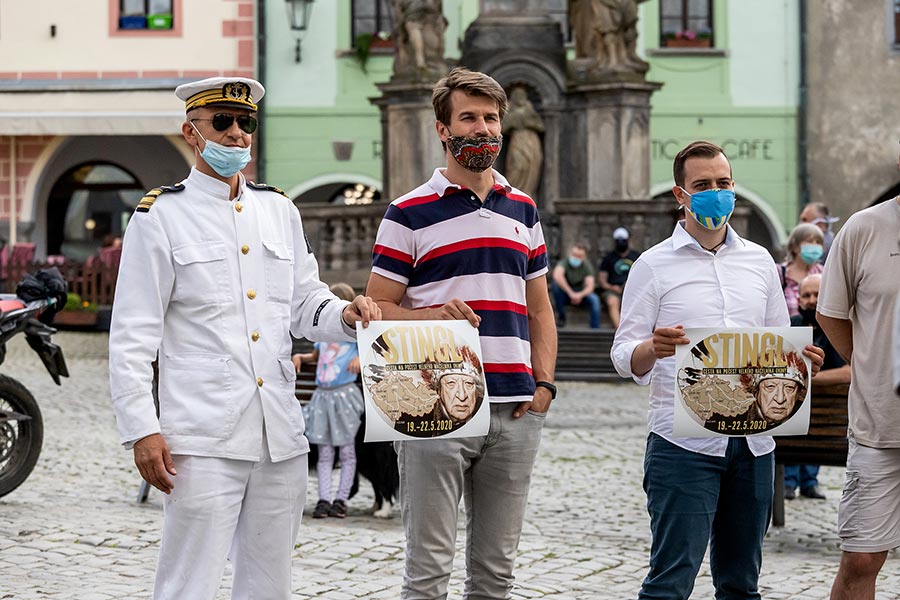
[{"x": 10, "y": 305}]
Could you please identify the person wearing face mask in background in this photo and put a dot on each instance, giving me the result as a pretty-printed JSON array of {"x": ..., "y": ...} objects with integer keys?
[
  {"x": 816, "y": 213},
  {"x": 215, "y": 275},
  {"x": 805, "y": 247},
  {"x": 834, "y": 371},
  {"x": 613, "y": 273},
  {"x": 573, "y": 282},
  {"x": 467, "y": 245},
  {"x": 701, "y": 492}
]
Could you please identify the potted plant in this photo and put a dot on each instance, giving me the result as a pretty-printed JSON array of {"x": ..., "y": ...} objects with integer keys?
[
  {"x": 687, "y": 39},
  {"x": 77, "y": 312},
  {"x": 366, "y": 41}
]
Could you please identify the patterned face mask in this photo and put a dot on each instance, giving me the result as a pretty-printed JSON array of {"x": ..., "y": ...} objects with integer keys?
[{"x": 475, "y": 153}]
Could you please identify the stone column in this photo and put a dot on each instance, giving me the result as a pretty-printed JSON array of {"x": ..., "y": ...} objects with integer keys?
[
  {"x": 607, "y": 128},
  {"x": 411, "y": 149}
]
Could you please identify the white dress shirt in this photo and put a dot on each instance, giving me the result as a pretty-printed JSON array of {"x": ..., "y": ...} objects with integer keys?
[
  {"x": 679, "y": 283},
  {"x": 215, "y": 285}
]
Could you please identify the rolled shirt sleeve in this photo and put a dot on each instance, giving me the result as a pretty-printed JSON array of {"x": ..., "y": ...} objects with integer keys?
[{"x": 640, "y": 308}]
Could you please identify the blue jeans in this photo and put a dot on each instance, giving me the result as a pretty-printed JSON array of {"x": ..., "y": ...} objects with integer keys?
[
  {"x": 805, "y": 476},
  {"x": 561, "y": 299},
  {"x": 694, "y": 500}
]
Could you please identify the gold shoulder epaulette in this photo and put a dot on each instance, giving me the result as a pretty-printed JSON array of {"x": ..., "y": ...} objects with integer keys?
[
  {"x": 150, "y": 197},
  {"x": 263, "y": 186}
]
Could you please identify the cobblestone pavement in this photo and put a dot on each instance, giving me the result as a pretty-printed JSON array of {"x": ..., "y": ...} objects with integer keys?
[{"x": 73, "y": 530}]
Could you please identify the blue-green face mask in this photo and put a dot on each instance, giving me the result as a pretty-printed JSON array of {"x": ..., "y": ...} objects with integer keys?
[
  {"x": 811, "y": 253},
  {"x": 224, "y": 160},
  {"x": 711, "y": 208}
]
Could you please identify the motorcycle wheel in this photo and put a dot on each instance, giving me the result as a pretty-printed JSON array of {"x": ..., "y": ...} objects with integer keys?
[{"x": 20, "y": 441}]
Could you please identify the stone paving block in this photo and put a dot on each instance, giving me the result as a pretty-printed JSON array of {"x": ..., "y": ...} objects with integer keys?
[{"x": 586, "y": 534}]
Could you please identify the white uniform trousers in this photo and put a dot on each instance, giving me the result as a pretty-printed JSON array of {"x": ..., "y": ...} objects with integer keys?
[{"x": 252, "y": 509}]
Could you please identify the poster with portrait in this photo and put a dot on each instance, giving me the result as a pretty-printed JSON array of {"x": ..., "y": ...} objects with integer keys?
[
  {"x": 742, "y": 381},
  {"x": 422, "y": 380}
]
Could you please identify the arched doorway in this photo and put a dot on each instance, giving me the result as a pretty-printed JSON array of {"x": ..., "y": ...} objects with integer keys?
[
  {"x": 342, "y": 192},
  {"x": 149, "y": 160},
  {"x": 88, "y": 204}
]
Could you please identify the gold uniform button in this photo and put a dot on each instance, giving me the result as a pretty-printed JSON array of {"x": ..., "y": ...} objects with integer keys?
[
  {"x": 238, "y": 206},
  {"x": 255, "y": 336},
  {"x": 245, "y": 249},
  {"x": 251, "y": 294},
  {"x": 259, "y": 381}
]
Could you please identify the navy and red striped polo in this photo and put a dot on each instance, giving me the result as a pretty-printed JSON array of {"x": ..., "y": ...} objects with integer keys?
[{"x": 443, "y": 243}]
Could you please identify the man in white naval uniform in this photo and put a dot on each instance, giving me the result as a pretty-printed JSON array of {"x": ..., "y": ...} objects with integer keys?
[{"x": 215, "y": 273}]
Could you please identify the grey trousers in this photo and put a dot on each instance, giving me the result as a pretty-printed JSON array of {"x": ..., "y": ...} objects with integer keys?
[{"x": 493, "y": 474}]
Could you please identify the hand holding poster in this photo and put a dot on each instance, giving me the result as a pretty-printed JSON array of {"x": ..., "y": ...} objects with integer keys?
[
  {"x": 739, "y": 382},
  {"x": 422, "y": 379}
]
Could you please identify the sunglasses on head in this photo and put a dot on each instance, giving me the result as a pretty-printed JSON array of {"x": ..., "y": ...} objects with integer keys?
[{"x": 222, "y": 121}]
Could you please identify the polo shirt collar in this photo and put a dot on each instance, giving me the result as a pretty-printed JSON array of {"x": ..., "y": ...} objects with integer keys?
[
  {"x": 441, "y": 186},
  {"x": 681, "y": 238}
]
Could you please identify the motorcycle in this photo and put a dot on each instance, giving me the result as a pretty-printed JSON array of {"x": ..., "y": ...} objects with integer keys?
[{"x": 21, "y": 425}]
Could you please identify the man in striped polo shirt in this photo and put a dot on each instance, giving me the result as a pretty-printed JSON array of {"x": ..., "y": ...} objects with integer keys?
[{"x": 467, "y": 245}]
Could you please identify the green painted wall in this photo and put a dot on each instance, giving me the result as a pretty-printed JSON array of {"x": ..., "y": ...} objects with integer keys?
[
  {"x": 742, "y": 95},
  {"x": 325, "y": 98}
]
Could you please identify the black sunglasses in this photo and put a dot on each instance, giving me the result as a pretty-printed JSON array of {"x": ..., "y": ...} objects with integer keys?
[{"x": 222, "y": 121}]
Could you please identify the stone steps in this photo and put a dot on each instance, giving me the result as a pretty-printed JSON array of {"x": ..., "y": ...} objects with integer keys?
[{"x": 583, "y": 355}]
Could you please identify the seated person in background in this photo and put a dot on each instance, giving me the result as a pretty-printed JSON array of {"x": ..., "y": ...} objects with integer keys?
[
  {"x": 613, "y": 273},
  {"x": 834, "y": 370},
  {"x": 573, "y": 282}
]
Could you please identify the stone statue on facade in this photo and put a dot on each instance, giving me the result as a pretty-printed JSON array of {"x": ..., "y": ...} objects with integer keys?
[
  {"x": 522, "y": 127},
  {"x": 418, "y": 40},
  {"x": 606, "y": 35}
]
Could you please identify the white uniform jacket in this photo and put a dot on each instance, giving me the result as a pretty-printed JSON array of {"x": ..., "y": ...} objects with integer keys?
[{"x": 214, "y": 285}]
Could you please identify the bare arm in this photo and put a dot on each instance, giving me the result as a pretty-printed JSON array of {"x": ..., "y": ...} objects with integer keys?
[
  {"x": 589, "y": 285},
  {"x": 832, "y": 376},
  {"x": 604, "y": 281},
  {"x": 559, "y": 277},
  {"x": 542, "y": 327},
  {"x": 388, "y": 294},
  {"x": 839, "y": 333},
  {"x": 310, "y": 357}
]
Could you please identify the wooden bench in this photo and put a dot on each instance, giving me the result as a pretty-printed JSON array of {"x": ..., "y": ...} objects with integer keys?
[
  {"x": 825, "y": 444},
  {"x": 306, "y": 378}
]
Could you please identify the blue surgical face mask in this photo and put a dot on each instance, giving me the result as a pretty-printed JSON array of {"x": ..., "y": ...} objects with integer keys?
[
  {"x": 224, "y": 160},
  {"x": 811, "y": 253},
  {"x": 711, "y": 208},
  {"x": 575, "y": 262}
]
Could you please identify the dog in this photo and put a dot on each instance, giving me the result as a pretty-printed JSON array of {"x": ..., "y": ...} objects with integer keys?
[{"x": 377, "y": 462}]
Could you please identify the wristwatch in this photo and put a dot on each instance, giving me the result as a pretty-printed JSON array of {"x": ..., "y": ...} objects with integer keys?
[{"x": 549, "y": 386}]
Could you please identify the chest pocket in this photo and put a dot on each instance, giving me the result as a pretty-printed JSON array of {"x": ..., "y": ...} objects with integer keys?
[
  {"x": 279, "y": 264},
  {"x": 201, "y": 273}
]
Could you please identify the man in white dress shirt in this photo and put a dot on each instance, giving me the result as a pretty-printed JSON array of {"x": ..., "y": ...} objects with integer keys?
[
  {"x": 215, "y": 274},
  {"x": 713, "y": 491}
]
